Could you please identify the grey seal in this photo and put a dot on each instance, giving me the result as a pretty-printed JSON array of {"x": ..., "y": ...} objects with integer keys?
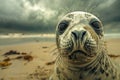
[{"x": 82, "y": 54}]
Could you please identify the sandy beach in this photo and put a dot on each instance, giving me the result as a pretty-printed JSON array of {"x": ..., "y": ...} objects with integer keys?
[{"x": 34, "y": 61}]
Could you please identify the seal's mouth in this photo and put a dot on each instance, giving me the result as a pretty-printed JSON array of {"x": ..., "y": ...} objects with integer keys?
[
  {"x": 77, "y": 54},
  {"x": 78, "y": 57},
  {"x": 79, "y": 51}
]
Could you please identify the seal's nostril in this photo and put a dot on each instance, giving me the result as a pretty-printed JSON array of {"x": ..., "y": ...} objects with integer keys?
[
  {"x": 75, "y": 34},
  {"x": 83, "y": 34},
  {"x": 79, "y": 34}
]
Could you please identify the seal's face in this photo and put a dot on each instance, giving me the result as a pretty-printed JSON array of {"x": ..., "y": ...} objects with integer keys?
[{"x": 78, "y": 35}]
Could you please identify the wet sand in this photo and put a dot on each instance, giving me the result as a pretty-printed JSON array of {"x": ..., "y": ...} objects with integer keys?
[{"x": 38, "y": 65}]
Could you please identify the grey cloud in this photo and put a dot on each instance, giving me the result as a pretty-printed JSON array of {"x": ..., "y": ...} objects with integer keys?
[
  {"x": 43, "y": 15},
  {"x": 112, "y": 13},
  {"x": 10, "y": 9}
]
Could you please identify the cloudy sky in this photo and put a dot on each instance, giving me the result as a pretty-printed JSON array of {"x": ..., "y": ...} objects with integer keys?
[{"x": 41, "y": 16}]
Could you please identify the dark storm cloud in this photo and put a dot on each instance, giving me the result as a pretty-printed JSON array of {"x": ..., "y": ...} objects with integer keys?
[
  {"x": 112, "y": 13},
  {"x": 43, "y": 15}
]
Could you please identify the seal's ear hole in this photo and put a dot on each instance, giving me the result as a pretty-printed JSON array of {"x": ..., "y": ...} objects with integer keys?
[{"x": 63, "y": 26}]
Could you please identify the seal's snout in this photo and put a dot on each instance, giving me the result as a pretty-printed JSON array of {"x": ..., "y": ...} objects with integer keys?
[{"x": 78, "y": 35}]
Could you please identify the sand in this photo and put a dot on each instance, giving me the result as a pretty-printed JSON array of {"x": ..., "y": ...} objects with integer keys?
[{"x": 39, "y": 62}]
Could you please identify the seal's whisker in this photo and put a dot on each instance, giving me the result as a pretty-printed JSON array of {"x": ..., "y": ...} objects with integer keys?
[{"x": 54, "y": 51}]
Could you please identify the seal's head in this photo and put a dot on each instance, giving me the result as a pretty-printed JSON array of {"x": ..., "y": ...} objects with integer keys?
[{"x": 78, "y": 37}]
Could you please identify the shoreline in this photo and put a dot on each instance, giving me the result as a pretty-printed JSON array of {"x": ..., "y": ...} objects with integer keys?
[{"x": 13, "y": 41}]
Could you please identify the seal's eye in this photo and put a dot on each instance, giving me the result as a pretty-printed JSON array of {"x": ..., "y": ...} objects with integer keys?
[
  {"x": 97, "y": 26},
  {"x": 62, "y": 26},
  {"x": 95, "y": 23}
]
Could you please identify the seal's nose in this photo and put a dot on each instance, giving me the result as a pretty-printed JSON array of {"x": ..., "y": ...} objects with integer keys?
[{"x": 78, "y": 34}]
